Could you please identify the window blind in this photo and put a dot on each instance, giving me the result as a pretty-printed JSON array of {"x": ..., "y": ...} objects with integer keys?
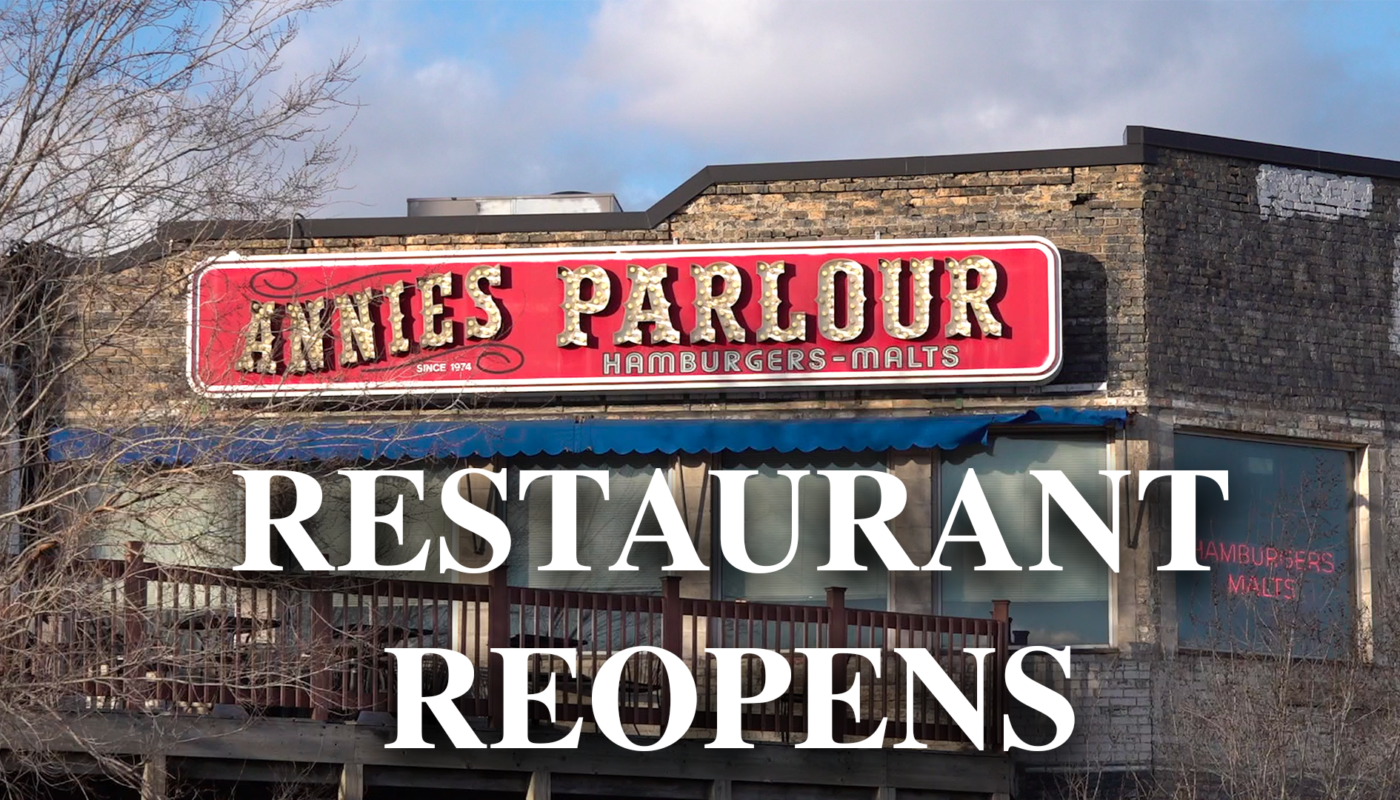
[
  {"x": 768, "y": 533},
  {"x": 603, "y": 527},
  {"x": 423, "y": 521},
  {"x": 1003, "y": 469}
]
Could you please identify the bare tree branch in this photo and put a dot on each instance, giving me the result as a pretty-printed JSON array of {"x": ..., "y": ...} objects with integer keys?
[{"x": 117, "y": 116}]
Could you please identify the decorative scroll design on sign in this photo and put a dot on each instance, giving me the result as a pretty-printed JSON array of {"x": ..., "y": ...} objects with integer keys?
[
  {"x": 281, "y": 284},
  {"x": 490, "y": 357}
]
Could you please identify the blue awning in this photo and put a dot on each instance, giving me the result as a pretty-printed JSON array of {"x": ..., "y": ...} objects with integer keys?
[{"x": 445, "y": 439}]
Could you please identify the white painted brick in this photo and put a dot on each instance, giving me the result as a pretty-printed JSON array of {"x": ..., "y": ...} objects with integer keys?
[
  {"x": 1284, "y": 192},
  {"x": 1395, "y": 297}
]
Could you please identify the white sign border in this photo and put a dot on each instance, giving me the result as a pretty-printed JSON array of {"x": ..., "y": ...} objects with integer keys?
[{"x": 849, "y": 380}]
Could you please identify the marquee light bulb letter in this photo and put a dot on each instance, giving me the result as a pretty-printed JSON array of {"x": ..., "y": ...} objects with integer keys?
[
  {"x": 960, "y": 297},
  {"x": 709, "y": 305},
  {"x": 433, "y": 288},
  {"x": 356, "y": 328},
  {"x": 575, "y": 306},
  {"x": 393, "y": 296},
  {"x": 259, "y": 342},
  {"x": 770, "y": 299},
  {"x": 308, "y": 350},
  {"x": 485, "y": 303},
  {"x": 920, "y": 297},
  {"x": 647, "y": 303},
  {"x": 855, "y": 300}
]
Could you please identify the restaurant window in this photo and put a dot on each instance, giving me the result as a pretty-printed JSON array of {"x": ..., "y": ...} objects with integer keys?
[
  {"x": 423, "y": 520},
  {"x": 768, "y": 531},
  {"x": 181, "y": 516},
  {"x": 603, "y": 527},
  {"x": 1055, "y": 608},
  {"x": 1278, "y": 550}
]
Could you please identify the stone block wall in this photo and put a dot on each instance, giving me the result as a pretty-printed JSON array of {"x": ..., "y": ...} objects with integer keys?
[
  {"x": 1092, "y": 214},
  {"x": 1272, "y": 296},
  {"x": 1112, "y": 693}
]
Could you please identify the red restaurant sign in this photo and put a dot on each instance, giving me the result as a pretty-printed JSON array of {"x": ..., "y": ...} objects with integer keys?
[{"x": 548, "y": 320}]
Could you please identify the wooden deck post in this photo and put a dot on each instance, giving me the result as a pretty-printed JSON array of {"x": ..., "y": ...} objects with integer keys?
[
  {"x": 671, "y": 625},
  {"x": 497, "y": 637},
  {"x": 134, "y": 594},
  {"x": 671, "y": 638},
  {"x": 1001, "y": 616},
  {"x": 352, "y": 782},
  {"x": 539, "y": 785},
  {"x": 322, "y": 649},
  {"x": 836, "y": 638},
  {"x": 154, "y": 778},
  {"x": 1001, "y": 610},
  {"x": 721, "y": 789}
]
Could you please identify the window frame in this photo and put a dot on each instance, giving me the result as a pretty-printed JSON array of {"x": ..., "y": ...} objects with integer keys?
[
  {"x": 1357, "y": 527},
  {"x": 1115, "y": 448},
  {"x": 515, "y": 465},
  {"x": 716, "y": 557}
]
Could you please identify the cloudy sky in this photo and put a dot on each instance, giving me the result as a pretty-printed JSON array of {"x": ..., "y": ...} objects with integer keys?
[{"x": 477, "y": 98}]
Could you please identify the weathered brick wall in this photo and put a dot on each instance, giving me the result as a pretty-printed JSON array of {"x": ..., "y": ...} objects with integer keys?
[
  {"x": 1271, "y": 304},
  {"x": 1092, "y": 214},
  {"x": 1270, "y": 287},
  {"x": 125, "y": 345},
  {"x": 1112, "y": 694},
  {"x": 1273, "y": 300},
  {"x": 1214, "y": 727}
]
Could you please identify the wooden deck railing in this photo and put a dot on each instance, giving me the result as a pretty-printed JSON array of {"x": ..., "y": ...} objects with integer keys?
[{"x": 175, "y": 639}]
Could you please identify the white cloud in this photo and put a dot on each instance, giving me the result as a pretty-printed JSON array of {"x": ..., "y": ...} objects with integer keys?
[
  {"x": 439, "y": 119},
  {"x": 828, "y": 79},
  {"x": 646, "y": 93}
]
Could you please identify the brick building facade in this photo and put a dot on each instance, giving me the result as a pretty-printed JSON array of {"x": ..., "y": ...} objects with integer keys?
[{"x": 1239, "y": 302}]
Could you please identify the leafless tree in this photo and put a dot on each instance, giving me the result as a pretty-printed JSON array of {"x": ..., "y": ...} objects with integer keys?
[
  {"x": 1247, "y": 723},
  {"x": 118, "y": 116},
  {"x": 1285, "y": 693}
]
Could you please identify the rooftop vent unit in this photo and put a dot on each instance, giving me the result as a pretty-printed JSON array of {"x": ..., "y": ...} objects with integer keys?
[{"x": 557, "y": 203}]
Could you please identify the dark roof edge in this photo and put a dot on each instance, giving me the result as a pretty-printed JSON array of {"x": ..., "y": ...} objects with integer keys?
[
  {"x": 1139, "y": 147},
  {"x": 1281, "y": 155},
  {"x": 888, "y": 168},
  {"x": 663, "y": 209}
]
